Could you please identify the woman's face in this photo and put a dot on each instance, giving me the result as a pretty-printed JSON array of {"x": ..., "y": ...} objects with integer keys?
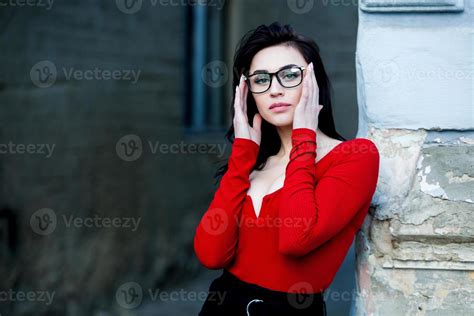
[{"x": 271, "y": 59}]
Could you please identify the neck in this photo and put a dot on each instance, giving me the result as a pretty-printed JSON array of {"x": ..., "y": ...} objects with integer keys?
[{"x": 285, "y": 135}]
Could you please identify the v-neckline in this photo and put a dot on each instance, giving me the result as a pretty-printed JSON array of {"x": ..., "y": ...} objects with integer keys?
[
  {"x": 272, "y": 193},
  {"x": 254, "y": 213}
]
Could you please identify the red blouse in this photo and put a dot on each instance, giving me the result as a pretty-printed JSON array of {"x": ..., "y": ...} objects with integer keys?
[{"x": 304, "y": 229}]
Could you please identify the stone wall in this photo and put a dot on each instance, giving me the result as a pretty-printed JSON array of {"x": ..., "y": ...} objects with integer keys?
[{"x": 415, "y": 253}]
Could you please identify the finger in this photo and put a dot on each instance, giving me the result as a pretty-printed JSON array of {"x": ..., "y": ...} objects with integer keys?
[
  {"x": 237, "y": 109},
  {"x": 241, "y": 95},
  {"x": 315, "y": 89},
  {"x": 316, "y": 92},
  {"x": 257, "y": 122},
  {"x": 314, "y": 100},
  {"x": 314, "y": 77},
  {"x": 310, "y": 85},
  {"x": 245, "y": 95},
  {"x": 304, "y": 93}
]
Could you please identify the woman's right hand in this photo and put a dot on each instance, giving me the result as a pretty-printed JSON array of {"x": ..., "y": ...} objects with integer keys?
[{"x": 242, "y": 129}]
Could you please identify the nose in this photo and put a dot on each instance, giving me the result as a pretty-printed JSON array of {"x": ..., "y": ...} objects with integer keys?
[{"x": 276, "y": 88}]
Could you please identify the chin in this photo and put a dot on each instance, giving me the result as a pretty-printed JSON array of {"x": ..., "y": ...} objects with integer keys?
[{"x": 279, "y": 120}]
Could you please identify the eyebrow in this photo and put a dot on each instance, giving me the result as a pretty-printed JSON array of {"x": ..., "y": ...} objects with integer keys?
[{"x": 264, "y": 71}]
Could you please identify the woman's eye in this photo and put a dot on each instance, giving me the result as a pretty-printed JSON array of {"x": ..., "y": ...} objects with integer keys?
[{"x": 261, "y": 80}]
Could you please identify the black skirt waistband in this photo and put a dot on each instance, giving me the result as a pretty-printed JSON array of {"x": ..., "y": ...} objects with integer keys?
[
  {"x": 242, "y": 298},
  {"x": 256, "y": 290}
]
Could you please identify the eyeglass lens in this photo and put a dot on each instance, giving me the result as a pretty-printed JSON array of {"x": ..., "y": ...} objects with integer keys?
[{"x": 289, "y": 78}]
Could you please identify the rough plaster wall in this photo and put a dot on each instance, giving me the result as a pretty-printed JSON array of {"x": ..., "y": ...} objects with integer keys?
[{"x": 415, "y": 253}]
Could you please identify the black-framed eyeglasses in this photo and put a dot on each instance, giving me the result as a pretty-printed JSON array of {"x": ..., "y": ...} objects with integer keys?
[{"x": 288, "y": 77}]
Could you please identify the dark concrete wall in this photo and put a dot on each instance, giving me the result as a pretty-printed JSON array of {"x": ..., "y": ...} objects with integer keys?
[{"x": 86, "y": 174}]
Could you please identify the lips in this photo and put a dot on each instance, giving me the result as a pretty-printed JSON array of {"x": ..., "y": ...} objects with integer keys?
[{"x": 278, "y": 105}]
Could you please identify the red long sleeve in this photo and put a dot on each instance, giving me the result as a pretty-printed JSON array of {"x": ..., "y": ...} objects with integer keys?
[
  {"x": 327, "y": 204},
  {"x": 217, "y": 233},
  {"x": 304, "y": 229}
]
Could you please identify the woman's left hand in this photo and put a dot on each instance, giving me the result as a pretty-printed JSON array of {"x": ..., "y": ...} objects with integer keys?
[{"x": 307, "y": 110}]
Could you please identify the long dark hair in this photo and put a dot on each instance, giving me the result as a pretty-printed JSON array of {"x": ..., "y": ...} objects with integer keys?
[{"x": 250, "y": 44}]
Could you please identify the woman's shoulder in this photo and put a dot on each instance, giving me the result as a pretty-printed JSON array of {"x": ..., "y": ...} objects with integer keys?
[
  {"x": 361, "y": 149},
  {"x": 352, "y": 148}
]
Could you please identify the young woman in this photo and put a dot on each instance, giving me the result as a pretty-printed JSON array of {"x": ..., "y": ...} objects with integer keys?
[{"x": 294, "y": 192}]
